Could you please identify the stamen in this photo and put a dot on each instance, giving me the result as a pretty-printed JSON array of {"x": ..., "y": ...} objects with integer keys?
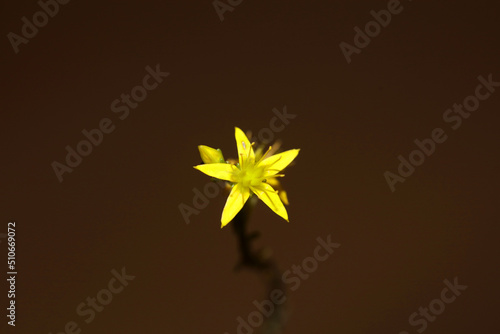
[
  {"x": 242, "y": 161},
  {"x": 248, "y": 153},
  {"x": 264, "y": 155}
]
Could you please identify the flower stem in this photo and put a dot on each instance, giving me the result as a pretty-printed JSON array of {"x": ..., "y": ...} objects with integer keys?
[{"x": 264, "y": 266}]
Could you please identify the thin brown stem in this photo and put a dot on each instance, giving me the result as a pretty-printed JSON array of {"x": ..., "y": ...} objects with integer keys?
[{"x": 265, "y": 266}]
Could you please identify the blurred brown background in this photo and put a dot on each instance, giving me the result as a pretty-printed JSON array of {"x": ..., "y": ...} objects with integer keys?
[{"x": 119, "y": 207}]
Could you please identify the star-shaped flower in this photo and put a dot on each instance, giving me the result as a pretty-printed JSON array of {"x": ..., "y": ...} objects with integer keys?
[{"x": 249, "y": 176}]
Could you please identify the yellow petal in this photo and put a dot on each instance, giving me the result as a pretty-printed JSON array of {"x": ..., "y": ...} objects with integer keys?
[
  {"x": 234, "y": 203},
  {"x": 276, "y": 163},
  {"x": 268, "y": 195},
  {"x": 284, "y": 197},
  {"x": 210, "y": 155},
  {"x": 219, "y": 171},
  {"x": 245, "y": 150},
  {"x": 274, "y": 182}
]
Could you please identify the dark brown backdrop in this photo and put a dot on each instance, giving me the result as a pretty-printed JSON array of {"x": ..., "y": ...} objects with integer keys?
[{"x": 119, "y": 207}]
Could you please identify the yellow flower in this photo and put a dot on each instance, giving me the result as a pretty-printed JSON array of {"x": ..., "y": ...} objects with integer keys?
[
  {"x": 272, "y": 181},
  {"x": 249, "y": 176},
  {"x": 210, "y": 155}
]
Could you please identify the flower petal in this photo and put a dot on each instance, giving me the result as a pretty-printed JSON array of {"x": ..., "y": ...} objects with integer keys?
[
  {"x": 245, "y": 150},
  {"x": 210, "y": 155},
  {"x": 284, "y": 197},
  {"x": 275, "y": 183},
  {"x": 219, "y": 171},
  {"x": 276, "y": 163},
  {"x": 268, "y": 195},
  {"x": 234, "y": 203}
]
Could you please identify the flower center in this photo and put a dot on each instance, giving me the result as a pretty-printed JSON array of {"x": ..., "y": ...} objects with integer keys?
[{"x": 250, "y": 176}]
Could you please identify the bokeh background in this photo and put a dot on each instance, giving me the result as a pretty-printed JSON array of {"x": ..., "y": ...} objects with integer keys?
[{"x": 120, "y": 206}]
